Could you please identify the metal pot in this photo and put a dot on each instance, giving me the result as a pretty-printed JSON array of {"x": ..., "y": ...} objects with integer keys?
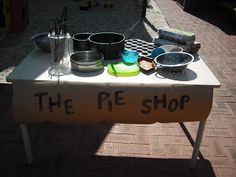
[
  {"x": 86, "y": 61},
  {"x": 81, "y": 42},
  {"x": 110, "y": 44}
]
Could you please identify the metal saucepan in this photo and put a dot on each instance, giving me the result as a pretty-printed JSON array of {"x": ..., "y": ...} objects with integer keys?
[
  {"x": 81, "y": 42},
  {"x": 173, "y": 61},
  {"x": 110, "y": 44},
  {"x": 86, "y": 61}
]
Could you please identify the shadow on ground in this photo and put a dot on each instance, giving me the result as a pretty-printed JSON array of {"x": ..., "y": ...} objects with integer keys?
[
  {"x": 57, "y": 153},
  {"x": 115, "y": 166},
  {"x": 219, "y": 17}
]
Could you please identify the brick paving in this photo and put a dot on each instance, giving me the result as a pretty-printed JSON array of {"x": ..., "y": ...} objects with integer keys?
[
  {"x": 137, "y": 150},
  {"x": 218, "y": 39}
]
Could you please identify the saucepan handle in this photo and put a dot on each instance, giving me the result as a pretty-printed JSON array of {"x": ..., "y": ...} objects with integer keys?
[{"x": 156, "y": 66}]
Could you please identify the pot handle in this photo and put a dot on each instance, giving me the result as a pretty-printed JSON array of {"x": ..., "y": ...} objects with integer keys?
[{"x": 156, "y": 66}]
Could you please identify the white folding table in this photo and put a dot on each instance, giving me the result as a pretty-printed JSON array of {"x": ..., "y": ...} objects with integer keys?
[{"x": 97, "y": 97}]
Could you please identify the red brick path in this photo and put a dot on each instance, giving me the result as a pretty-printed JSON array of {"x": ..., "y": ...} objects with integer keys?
[{"x": 218, "y": 50}]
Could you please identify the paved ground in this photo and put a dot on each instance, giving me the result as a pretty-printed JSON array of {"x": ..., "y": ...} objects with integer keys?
[
  {"x": 128, "y": 150},
  {"x": 218, "y": 50}
]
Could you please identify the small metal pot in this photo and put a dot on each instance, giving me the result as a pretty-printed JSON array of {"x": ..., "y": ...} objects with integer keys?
[
  {"x": 86, "y": 61},
  {"x": 81, "y": 42},
  {"x": 110, "y": 44}
]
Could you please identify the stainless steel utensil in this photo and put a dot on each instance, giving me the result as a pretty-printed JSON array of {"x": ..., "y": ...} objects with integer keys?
[{"x": 87, "y": 61}]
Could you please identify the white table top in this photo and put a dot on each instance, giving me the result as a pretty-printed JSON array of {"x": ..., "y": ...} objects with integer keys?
[{"x": 36, "y": 65}]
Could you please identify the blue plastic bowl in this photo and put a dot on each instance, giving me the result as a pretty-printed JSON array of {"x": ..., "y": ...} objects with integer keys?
[
  {"x": 130, "y": 57},
  {"x": 156, "y": 52}
]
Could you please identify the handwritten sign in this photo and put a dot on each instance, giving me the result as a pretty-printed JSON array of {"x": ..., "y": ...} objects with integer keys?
[{"x": 79, "y": 103}]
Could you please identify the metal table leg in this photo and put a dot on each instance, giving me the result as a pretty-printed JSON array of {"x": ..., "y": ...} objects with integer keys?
[
  {"x": 197, "y": 144},
  {"x": 26, "y": 140},
  {"x": 144, "y": 8}
]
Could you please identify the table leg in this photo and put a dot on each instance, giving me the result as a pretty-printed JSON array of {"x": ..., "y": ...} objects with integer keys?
[
  {"x": 26, "y": 140},
  {"x": 197, "y": 144},
  {"x": 144, "y": 8}
]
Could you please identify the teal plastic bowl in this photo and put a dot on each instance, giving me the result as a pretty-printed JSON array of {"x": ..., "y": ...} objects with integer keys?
[
  {"x": 157, "y": 51},
  {"x": 130, "y": 57}
]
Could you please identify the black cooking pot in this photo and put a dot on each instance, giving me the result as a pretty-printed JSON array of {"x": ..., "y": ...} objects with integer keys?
[
  {"x": 110, "y": 44},
  {"x": 81, "y": 42}
]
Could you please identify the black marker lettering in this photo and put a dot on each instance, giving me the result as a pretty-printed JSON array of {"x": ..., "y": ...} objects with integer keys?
[
  {"x": 162, "y": 101},
  {"x": 184, "y": 99},
  {"x": 40, "y": 95},
  {"x": 102, "y": 96},
  {"x": 173, "y": 105},
  {"x": 68, "y": 106},
  {"x": 147, "y": 106},
  {"x": 57, "y": 103},
  {"x": 119, "y": 100}
]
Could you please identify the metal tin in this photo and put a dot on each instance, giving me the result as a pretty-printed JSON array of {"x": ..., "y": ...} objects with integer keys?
[{"x": 86, "y": 61}]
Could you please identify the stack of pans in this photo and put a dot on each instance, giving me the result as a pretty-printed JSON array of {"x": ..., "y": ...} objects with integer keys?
[
  {"x": 86, "y": 61},
  {"x": 92, "y": 49}
]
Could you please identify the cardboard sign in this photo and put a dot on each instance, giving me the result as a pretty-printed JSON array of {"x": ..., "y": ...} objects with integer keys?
[{"x": 70, "y": 102}]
